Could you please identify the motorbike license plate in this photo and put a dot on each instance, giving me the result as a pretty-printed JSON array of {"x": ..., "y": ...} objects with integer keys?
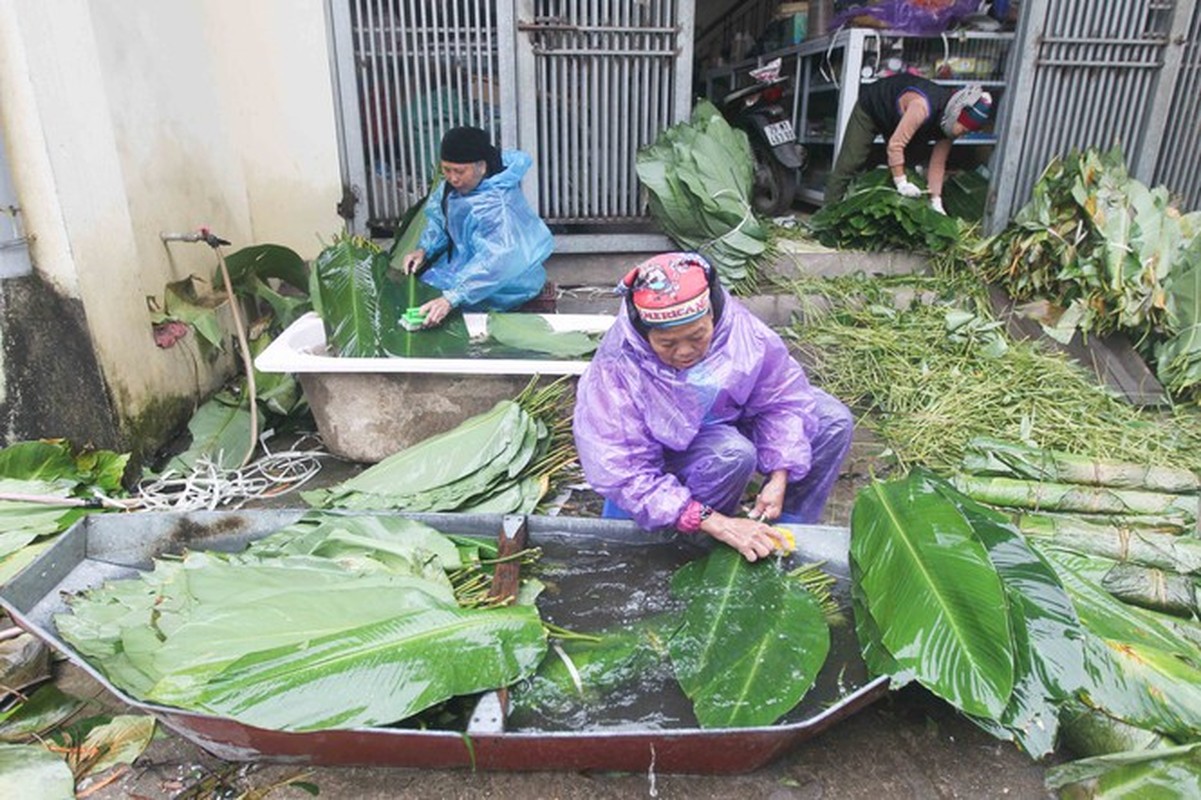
[{"x": 779, "y": 133}]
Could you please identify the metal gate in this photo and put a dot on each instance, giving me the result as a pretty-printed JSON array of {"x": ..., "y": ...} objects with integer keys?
[
  {"x": 1100, "y": 74},
  {"x": 579, "y": 84},
  {"x": 406, "y": 72},
  {"x": 606, "y": 78}
]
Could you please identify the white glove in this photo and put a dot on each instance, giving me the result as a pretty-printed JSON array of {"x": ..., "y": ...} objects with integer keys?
[
  {"x": 905, "y": 188},
  {"x": 936, "y": 204}
]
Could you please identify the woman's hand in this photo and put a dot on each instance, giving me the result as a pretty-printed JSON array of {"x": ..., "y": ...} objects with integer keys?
[
  {"x": 752, "y": 538},
  {"x": 769, "y": 504},
  {"x": 435, "y": 311},
  {"x": 412, "y": 261}
]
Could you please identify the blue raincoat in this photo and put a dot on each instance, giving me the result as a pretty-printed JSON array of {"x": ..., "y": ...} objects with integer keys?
[
  {"x": 652, "y": 438},
  {"x": 499, "y": 242}
]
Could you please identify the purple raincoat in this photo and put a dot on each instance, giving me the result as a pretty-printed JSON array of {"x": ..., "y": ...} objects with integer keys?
[{"x": 651, "y": 437}]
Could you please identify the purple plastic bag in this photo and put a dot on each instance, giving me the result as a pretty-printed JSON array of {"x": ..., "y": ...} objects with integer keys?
[{"x": 922, "y": 17}]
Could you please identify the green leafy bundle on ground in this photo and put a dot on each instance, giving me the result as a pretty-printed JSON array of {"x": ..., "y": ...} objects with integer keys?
[
  {"x": 874, "y": 216},
  {"x": 1112, "y": 254},
  {"x": 500, "y": 461},
  {"x": 698, "y": 175}
]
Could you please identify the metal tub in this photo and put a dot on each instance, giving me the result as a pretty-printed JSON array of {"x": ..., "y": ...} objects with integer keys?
[{"x": 106, "y": 547}]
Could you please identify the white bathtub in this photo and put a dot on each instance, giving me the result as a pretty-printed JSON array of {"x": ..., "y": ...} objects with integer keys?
[{"x": 368, "y": 408}]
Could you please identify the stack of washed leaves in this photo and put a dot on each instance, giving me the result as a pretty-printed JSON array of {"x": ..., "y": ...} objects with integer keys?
[
  {"x": 332, "y": 622},
  {"x": 500, "y": 461},
  {"x": 698, "y": 175},
  {"x": 1021, "y": 636},
  {"x": 1142, "y": 518}
]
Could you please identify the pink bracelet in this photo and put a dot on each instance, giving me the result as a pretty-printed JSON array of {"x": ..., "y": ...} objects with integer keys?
[{"x": 690, "y": 519}]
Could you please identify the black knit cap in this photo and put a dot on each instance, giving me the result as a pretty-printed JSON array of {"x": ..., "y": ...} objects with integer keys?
[{"x": 466, "y": 145}]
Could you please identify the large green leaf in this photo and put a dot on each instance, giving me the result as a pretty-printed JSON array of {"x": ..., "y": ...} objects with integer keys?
[
  {"x": 32, "y": 772},
  {"x": 1105, "y": 616},
  {"x": 532, "y": 333},
  {"x": 263, "y": 261},
  {"x": 408, "y": 233},
  {"x": 381, "y": 672},
  {"x": 935, "y": 595},
  {"x": 37, "y": 460},
  {"x": 1170, "y": 773},
  {"x": 315, "y": 604},
  {"x": 349, "y": 277},
  {"x": 1144, "y": 686},
  {"x": 752, "y": 642},
  {"x": 875, "y": 655},
  {"x": 220, "y": 432},
  {"x": 1048, "y": 638},
  {"x": 448, "y": 340},
  {"x": 1139, "y": 669},
  {"x": 45, "y": 709}
]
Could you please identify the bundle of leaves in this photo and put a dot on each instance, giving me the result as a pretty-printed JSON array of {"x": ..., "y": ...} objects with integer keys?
[
  {"x": 1110, "y": 252},
  {"x": 874, "y": 216},
  {"x": 950, "y": 594},
  {"x": 698, "y": 175},
  {"x": 332, "y": 622},
  {"x": 500, "y": 461},
  {"x": 32, "y": 475}
]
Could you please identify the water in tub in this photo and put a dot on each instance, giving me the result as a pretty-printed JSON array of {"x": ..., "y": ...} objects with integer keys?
[{"x": 591, "y": 588}]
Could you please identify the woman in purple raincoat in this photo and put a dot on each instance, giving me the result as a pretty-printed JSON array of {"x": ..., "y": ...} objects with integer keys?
[{"x": 688, "y": 396}]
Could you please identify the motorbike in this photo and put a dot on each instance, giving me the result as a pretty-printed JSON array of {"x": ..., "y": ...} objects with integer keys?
[{"x": 759, "y": 110}]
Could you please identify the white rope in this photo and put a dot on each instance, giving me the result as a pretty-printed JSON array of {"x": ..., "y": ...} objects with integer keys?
[{"x": 209, "y": 487}]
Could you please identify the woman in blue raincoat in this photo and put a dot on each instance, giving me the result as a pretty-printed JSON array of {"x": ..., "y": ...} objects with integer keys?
[
  {"x": 483, "y": 244},
  {"x": 688, "y": 396}
]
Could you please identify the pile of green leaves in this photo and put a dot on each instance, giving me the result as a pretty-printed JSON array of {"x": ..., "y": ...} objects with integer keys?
[
  {"x": 1110, "y": 252},
  {"x": 874, "y": 216},
  {"x": 516, "y": 334},
  {"x": 332, "y": 622},
  {"x": 948, "y": 593},
  {"x": 698, "y": 175},
  {"x": 49, "y": 470},
  {"x": 500, "y": 461},
  {"x": 933, "y": 383}
]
